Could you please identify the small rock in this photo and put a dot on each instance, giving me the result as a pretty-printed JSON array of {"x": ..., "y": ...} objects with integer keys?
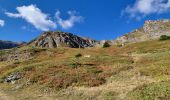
[
  {"x": 87, "y": 56},
  {"x": 13, "y": 77}
]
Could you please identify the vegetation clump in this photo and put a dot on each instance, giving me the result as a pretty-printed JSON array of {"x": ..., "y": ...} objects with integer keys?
[
  {"x": 76, "y": 60},
  {"x": 106, "y": 45},
  {"x": 164, "y": 37},
  {"x": 78, "y": 55}
]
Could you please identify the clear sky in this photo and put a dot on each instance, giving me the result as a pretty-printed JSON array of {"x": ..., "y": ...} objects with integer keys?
[{"x": 24, "y": 20}]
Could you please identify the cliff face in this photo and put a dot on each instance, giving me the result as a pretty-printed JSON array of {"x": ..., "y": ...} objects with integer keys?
[
  {"x": 151, "y": 30},
  {"x": 157, "y": 28},
  {"x": 8, "y": 44},
  {"x": 62, "y": 39}
]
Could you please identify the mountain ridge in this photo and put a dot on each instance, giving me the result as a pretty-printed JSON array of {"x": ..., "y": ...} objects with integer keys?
[
  {"x": 8, "y": 44},
  {"x": 152, "y": 29}
]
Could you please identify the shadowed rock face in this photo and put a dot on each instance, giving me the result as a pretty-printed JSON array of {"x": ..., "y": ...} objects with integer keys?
[
  {"x": 151, "y": 30},
  {"x": 62, "y": 39},
  {"x": 8, "y": 44}
]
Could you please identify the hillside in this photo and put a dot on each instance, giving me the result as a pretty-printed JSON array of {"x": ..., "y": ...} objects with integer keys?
[
  {"x": 150, "y": 31},
  {"x": 137, "y": 71}
]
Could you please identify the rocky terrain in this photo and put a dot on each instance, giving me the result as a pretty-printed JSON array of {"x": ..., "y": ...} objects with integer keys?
[
  {"x": 15, "y": 55},
  {"x": 62, "y": 39},
  {"x": 8, "y": 44},
  {"x": 150, "y": 31}
]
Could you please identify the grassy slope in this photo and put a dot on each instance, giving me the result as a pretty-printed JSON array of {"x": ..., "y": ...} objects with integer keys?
[{"x": 136, "y": 71}]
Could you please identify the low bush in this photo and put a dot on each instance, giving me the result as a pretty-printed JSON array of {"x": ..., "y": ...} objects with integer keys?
[
  {"x": 164, "y": 37},
  {"x": 78, "y": 55},
  {"x": 106, "y": 45}
]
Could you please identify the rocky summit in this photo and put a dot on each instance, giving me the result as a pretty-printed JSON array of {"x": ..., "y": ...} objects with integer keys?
[
  {"x": 150, "y": 31},
  {"x": 62, "y": 39},
  {"x": 8, "y": 44}
]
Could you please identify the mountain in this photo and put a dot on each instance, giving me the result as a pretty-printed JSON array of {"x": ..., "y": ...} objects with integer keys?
[
  {"x": 151, "y": 30},
  {"x": 62, "y": 39},
  {"x": 8, "y": 44}
]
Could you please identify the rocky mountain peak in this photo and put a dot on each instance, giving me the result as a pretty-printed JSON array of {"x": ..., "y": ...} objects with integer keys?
[{"x": 62, "y": 39}]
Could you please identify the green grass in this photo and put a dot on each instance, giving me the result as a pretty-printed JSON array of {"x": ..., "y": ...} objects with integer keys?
[
  {"x": 154, "y": 91},
  {"x": 156, "y": 65}
]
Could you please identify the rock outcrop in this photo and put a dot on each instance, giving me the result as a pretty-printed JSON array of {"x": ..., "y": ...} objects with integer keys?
[
  {"x": 12, "y": 55},
  {"x": 62, "y": 39},
  {"x": 12, "y": 78},
  {"x": 151, "y": 30},
  {"x": 8, "y": 44}
]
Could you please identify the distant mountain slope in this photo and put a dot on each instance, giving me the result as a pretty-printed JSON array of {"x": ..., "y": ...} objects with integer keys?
[
  {"x": 62, "y": 39},
  {"x": 8, "y": 44},
  {"x": 151, "y": 30}
]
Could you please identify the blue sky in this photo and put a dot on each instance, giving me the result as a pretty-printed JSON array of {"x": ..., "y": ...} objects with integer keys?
[{"x": 24, "y": 20}]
